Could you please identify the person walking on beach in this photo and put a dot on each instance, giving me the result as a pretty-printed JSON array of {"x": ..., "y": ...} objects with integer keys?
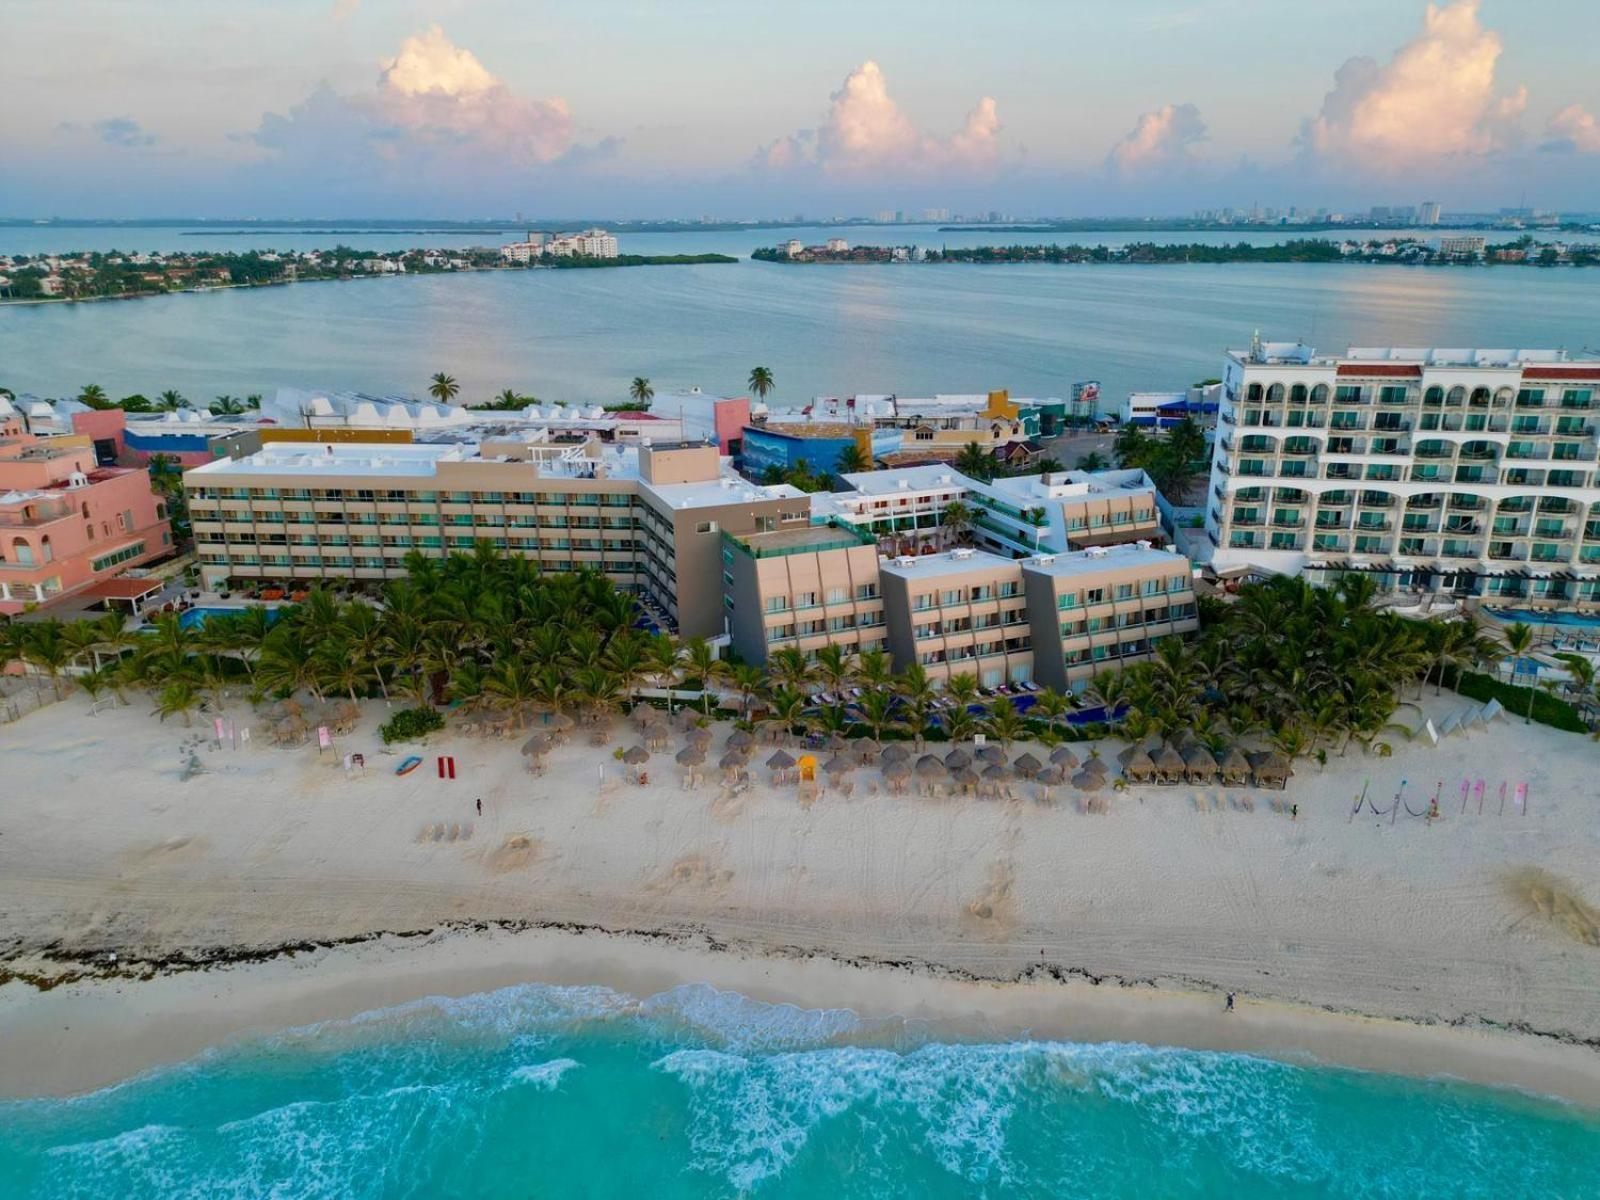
[
  {"x": 480, "y": 806},
  {"x": 1230, "y": 1003}
]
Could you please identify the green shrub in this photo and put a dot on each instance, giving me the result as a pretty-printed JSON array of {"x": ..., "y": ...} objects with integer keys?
[
  {"x": 409, "y": 724},
  {"x": 1547, "y": 709}
]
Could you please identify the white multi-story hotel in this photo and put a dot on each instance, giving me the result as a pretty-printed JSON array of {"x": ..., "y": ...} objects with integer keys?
[
  {"x": 1471, "y": 473},
  {"x": 589, "y": 243}
]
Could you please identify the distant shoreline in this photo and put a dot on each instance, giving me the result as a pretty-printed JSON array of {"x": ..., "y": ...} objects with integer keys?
[{"x": 569, "y": 264}]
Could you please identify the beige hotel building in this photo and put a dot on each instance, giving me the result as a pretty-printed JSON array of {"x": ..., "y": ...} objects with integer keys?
[{"x": 767, "y": 566}]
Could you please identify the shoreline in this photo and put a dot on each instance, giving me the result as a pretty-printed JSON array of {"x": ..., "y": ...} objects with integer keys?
[
  {"x": 94, "y": 1033},
  {"x": 241, "y": 888}
]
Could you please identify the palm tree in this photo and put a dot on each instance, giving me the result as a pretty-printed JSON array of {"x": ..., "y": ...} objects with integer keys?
[
  {"x": 786, "y": 709},
  {"x": 227, "y": 406},
  {"x": 962, "y": 687},
  {"x": 760, "y": 381},
  {"x": 877, "y": 710},
  {"x": 1005, "y": 723},
  {"x": 177, "y": 697},
  {"x": 1132, "y": 447},
  {"x": 1052, "y": 706},
  {"x": 1092, "y": 461},
  {"x": 289, "y": 662},
  {"x": 701, "y": 664},
  {"x": 916, "y": 694},
  {"x": 972, "y": 459},
  {"x": 640, "y": 391},
  {"x": 512, "y": 686},
  {"x": 1519, "y": 640},
  {"x": 94, "y": 396},
  {"x": 852, "y": 458},
  {"x": 46, "y": 648},
  {"x": 1048, "y": 466},
  {"x": 749, "y": 681},
  {"x": 874, "y": 670},
  {"x": 957, "y": 518},
  {"x": 171, "y": 400},
  {"x": 834, "y": 667},
  {"x": 790, "y": 668},
  {"x": 444, "y": 388},
  {"x": 508, "y": 399}
]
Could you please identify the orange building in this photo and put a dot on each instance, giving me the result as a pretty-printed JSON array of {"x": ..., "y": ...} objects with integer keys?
[{"x": 67, "y": 523}]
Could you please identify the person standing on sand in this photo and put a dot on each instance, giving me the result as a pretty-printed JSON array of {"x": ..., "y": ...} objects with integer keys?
[
  {"x": 1230, "y": 1003},
  {"x": 480, "y": 806}
]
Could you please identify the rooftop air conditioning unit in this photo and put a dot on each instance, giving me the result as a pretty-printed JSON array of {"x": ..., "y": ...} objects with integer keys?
[
  {"x": 1044, "y": 560},
  {"x": 1096, "y": 551},
  {"x": 961, "y": 553},
  {"x": 1143, "y": 544},
  {"x": 905, "y": 560}
]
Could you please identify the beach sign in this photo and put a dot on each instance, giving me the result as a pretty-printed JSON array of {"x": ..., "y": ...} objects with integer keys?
[
  {"x": 324, "y": 738},
  {"x": 808, "y": 768}
]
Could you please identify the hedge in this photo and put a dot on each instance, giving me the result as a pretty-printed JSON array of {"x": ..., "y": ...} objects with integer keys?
[
  {"x": 1547, "y": 709},
  {"x": 409, "y": 724}
]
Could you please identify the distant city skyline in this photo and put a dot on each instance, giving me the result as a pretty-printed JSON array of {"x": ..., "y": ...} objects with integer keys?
[{"x": 452, "y": 109}]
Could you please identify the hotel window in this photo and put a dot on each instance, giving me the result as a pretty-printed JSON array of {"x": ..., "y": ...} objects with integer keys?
[
  {"x": 776, "y": 604},
  {"x": 805, "y": 599},
  {"x": 705, "y": 527},
  {"x": 1094, "y": 596},
  {"x": 867, "y": 591},
  {"x": 1067, "y": 600},
  {"x": 950, "y": 597},
  {"x": 837, "y": 595},
  {"x": 1124, "y": 591}
]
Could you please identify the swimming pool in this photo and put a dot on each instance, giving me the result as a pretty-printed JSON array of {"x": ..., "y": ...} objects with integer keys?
[
  {"x": 1569, "y": 620},
  {"x": 194, "y": 618}
]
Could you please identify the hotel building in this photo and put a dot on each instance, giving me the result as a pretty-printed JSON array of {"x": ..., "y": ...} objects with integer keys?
[
  {"x": 770, "y": 567},
  {"x": 1470, "y": 473},
  {"x": 67, "y": 523}
]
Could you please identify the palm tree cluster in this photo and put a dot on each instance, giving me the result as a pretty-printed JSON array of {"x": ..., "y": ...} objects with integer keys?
[
  {"x": 1309, "y": 668},
  {"x": 1173, "y": 461}
]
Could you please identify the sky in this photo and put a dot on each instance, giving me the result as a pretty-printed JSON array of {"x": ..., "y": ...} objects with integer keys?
[{"x": 739, "y": 108}]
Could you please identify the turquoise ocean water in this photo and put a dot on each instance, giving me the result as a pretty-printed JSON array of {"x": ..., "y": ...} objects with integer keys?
[{"x": 583, "y": 1092}]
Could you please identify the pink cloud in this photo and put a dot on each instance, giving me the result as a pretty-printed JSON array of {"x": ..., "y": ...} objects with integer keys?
[
  {"x": 1159, "y": 140},
  {"x": 1573, "y": 130},
  {"x": 866, "y": 130},
  {"x": 1436, "y": 98}
]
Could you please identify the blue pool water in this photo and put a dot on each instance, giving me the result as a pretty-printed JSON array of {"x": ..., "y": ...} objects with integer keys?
[
  {"x": 1528, "y": 617},
  {"x": 563, "y": 1092},
  {"x": 194, "y": 618}
]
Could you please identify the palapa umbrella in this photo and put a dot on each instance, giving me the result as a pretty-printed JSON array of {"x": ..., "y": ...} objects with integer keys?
[
  {"x": 897, "y": 771},
  {"x": 1137, "y": 766},
  {"x": 931, "y": 769},
  {"x": 559, "y": 720},
  {"x": 646, "y": 714},
  {"x": 734, "y": 760},
  {"x": 539, "y": 743},
  {"x": 1051, "y": 777},
  {"x": 865, "y": 750},
  {"x": 1096, "y": 765},
  {"x": 1089, "y": 781},
  {"x": 895, "y": 752},
  {"x": 740, "y": 738},
  {"x": 957, "y": 759},
  {"x": 1169, "y": 765},
  {"x": 991, "y": 754},
  {"x": 1027, "y": 766},
  {"x": 781, "y": 760},
  {"x": 1199, "y": 765},
  {"x": 838, "y": 765},
  {"x": 698, "y": 736},
  {"x": 1235, "y": 767},
  {"x": 996, "y": 773},
  {"x": 635, "y": 756},
  {"x": 691, "y": 756},
  {"x": 1270, "y": 769},
  {"x": 965, "y": 777},
  {"x": 1063, "y": 757}
]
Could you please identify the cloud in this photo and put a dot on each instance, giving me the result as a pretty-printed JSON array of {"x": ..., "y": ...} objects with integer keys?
[
  {"x": 432, "y": 100},
  {"x": 865, "y": 130},
  {"x": 1572, "y": 130},
  {"x": 343, "y": 10},
  {"x": 125, "y": 132},
  {"x": 1159, "y": 140},
  {"x": 1436, "y": 98}
]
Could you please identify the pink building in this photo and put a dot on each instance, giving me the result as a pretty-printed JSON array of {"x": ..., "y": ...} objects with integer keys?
[{"x": 66, "y": 524}]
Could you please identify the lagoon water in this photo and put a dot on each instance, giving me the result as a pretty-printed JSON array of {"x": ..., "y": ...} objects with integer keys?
[
  {"x": 543, "y": 1091},
  {"x": 829, "y": 330}
]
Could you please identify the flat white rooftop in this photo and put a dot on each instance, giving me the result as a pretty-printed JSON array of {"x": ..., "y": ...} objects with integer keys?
[
  {"x": 1106, "y": 558},
  {"x": 951, "y": 562},
  {"x": 901, "y": 481},
  {"x": 354, "y": 458},
  {"x": 1297, "y": 354},
  {"x": 1068, "y": 485}
]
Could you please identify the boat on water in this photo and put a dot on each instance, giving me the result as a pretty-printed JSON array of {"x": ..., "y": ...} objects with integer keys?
[{"x": 408, "y": 764}]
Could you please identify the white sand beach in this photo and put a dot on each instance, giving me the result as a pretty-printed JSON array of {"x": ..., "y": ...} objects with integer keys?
[{"x": 1480, "y": 926}]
